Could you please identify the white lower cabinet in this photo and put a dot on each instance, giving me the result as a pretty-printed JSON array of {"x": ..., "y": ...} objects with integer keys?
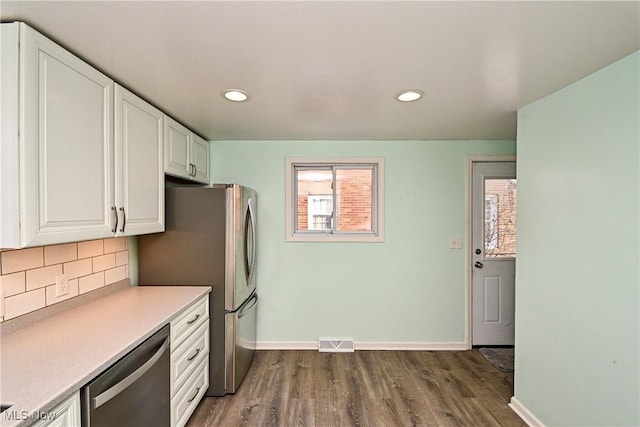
[
  {"x": 189, "y": 360},
  {"x": 185, "y": 401},
  {"x": 66, "y": 414}
]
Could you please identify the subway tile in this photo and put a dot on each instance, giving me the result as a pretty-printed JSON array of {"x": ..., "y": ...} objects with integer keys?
[
  {"x": 23, "y": 303},
  {"x": 82, "y": 267},
  {"x": 104, "y": 262},
  {"x": 89, "y": 283},
  {"x": 51, "y": 292},
  {"x": 114, "y": 245},
  {"x": 12, "y": 284},
  {"x": 122, "y": 258},
  {"x": 21, "y": 259},
  {"x": 90, "y": 249},
  {"x": 115, "y": 274},
  {"x": 41, "y": 277},
  {"x": 57, "y": 254}
]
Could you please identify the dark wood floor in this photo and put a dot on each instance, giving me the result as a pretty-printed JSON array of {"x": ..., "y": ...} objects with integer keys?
[{"x": 365, "y": 388}]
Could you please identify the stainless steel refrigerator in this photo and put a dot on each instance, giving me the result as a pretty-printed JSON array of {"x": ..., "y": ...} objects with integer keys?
[{"x": 210, "y": 240}]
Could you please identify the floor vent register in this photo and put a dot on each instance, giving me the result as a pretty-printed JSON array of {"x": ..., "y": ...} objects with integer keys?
[{"x": 333, "y": 345}]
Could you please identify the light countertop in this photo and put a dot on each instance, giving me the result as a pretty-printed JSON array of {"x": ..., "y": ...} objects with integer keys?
[{"x": 46, "y": 362}]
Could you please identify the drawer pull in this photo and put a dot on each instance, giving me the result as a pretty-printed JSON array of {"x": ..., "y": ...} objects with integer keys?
[
  {"x": 194, "y": 355},
  {"x": 194, "y": 395},
  {"x": 189, "y": 322}
]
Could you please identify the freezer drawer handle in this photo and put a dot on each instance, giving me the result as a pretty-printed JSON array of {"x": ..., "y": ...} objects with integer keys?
[
  {"x": 194, "y": 395},
  {"x": 189, "y": 322},
  {"x": 194, "y": 355},
  {"x": 104, "y": 397}
]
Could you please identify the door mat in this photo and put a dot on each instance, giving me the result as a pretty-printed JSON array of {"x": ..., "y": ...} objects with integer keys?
[{"x": 501, "y": 358}]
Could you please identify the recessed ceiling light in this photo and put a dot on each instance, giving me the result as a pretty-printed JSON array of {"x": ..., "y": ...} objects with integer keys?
[
  {"x": 409, "y": 95},
  {"x": 235, "y": 95}
]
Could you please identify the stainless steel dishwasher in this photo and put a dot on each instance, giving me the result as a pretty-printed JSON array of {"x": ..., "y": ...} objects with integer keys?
[{"x": 135, "y": 391}]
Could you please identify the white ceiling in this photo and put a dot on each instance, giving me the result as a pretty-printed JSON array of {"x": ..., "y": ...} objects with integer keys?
[{"x": 331, "y": 69}]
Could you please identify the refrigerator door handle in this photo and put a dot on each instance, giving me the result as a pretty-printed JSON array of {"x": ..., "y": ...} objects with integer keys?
[
  {"x": 250, "y": 261},
  {"x": 248, "y": 306}
]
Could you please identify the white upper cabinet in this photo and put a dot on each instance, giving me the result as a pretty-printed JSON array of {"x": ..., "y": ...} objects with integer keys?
[
  {"x": 186, "y": 154},
  {"x": 139, "y": 175},
  {"x": 200, "y": 159},
  {"x": 58, "y": 152},
  {"x": 77, "y": 161}
]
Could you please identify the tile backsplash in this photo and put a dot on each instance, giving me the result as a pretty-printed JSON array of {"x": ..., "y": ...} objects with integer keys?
[{"x": 28, "y": 276}]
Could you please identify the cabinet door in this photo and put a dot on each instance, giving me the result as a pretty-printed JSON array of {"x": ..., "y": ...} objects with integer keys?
[
  {"x": 64, "y": 415},
  {"x": 200, "y": 159},
  {"x": 176, "y": 158},
  {"x": 139, "y": 175},
  {"x": 9, "y": 136},
  {"x": 66, "y": 144}
]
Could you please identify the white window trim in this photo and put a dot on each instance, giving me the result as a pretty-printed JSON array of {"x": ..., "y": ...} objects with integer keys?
[{"x": 292, "y": 236}]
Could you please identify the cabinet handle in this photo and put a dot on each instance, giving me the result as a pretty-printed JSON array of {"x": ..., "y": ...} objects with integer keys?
[
  {"x": 194, "y": 395},
  {"x": 194, "y": 355},
  {"x": 189, "y": 322},
  {"x": 124, "y": 220},
  {"x": 193, "y": 169},
  {"x": 115, "y": 227}
]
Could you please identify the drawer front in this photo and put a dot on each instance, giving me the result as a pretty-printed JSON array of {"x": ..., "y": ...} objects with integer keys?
[
  {"x": 188, "y": 356},
  {"x": 188, "y": 397},
  {"x": 189, "y": 321}
]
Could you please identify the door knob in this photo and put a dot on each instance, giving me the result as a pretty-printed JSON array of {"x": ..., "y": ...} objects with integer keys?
[
  {"x": 478, "y": 251},
  {"x": 478, "y": 264}
]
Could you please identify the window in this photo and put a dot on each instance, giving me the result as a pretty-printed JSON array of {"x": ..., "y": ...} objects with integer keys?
[
  {"x": 490, "y": 222},
  {"x": 320, "y": 212},
  {"x": 334, "y": 200},
  {"x": 500, "y": 217}
]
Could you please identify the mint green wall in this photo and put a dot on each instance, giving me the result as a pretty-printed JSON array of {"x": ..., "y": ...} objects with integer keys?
[
  {"x": 577, "y": 273},
  {"x": 411, "y": 288}
]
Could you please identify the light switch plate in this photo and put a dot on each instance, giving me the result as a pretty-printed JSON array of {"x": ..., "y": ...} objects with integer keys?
[{"x": 455, "y": 242}]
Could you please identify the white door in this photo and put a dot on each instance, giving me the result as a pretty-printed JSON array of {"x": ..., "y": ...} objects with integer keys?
[
  {"x": 200, "y": 159},
  {"x": 493, "y": 252},
  {"x": 66, "y": 145},
  {"x": 176, "y": 149},
  {"x": 139, "y": 177}
]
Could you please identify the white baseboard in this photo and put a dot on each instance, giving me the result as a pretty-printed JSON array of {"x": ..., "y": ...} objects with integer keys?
[
  {"x": 416, "y": 346},
  {"x": 365, "y": 345},
  {"x": 287, "y": 345},
  {"x": 524, "y": 413}
]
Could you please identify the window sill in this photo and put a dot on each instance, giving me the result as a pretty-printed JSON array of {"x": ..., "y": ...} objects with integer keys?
[{"x": 335, "y": 238}]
